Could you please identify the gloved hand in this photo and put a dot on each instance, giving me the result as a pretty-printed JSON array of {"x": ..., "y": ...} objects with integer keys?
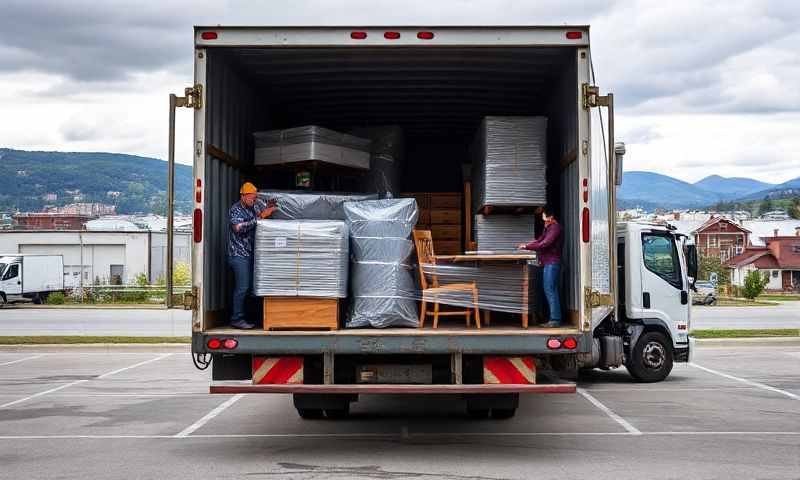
[{"x": 267, "y": 212}]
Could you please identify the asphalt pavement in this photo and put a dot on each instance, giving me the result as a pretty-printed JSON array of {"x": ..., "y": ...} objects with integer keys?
[
  {"x": 734, "y": 413},
  {"x": 161, "y": 322}
]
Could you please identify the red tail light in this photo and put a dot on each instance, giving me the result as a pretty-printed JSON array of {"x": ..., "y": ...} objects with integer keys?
[
  {"x": 230, "y": 343},
  {"x": 425, "y": 35},
  {"x": 574, "y": 35},
  {"x": 214, "y": 343},
  {"x": 585, "y": 231},
  {"x": 358, "y": 35},
  {"x": 197, "y": 225},
  {"x": 553, "y": 343},
  {"x": 391, "y": 35},
  {"x": 570, "y": 343},
  {"x": 208, "y": 35},
  {"x": 198, "y": 196}
]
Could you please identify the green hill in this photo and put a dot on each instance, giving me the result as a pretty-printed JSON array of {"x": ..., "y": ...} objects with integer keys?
[{"x": 28, "y": 177}]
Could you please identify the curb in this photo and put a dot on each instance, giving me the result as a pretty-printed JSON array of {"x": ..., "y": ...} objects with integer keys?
[
  {"x": 749, "y": 342},
  {"x": 133, "y": 306},
  {"x": 100, "y": 347}
]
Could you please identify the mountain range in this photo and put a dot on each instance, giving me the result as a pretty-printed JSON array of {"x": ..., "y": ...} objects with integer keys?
[
  {"x": 650, "y": 190},
  {"x": 32, "y": 180}
]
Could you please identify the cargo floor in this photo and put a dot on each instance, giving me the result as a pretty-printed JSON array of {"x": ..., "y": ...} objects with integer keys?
[{"x": 448, "y": 330}]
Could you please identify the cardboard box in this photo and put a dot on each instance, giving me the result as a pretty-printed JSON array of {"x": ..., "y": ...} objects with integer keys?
[
  {"x": 450, "y": 216},
  {"x": 424, "y": 216},
  {"x": 445, "y": 200},
  {"x": 301, "y": 313},
  {"x": 423, "y": 198},
  {"x": 447, "y": 247},
  {"x": 446, "y": 232}
]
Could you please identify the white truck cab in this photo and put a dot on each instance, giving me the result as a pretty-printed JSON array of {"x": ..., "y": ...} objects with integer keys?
[{"x": 30, "y": 276}]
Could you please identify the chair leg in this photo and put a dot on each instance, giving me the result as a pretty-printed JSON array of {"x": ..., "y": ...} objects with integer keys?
[
  {"x": 468, "y": 315},
  {"x": 477, "y": 312},
  {"x": 422, "y": 313},
  {"x": 487, "y": 317},
  {"x": 436, "y": 313}
]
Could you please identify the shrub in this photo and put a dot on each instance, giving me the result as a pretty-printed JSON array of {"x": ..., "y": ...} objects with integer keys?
[
  {"x": 754, "y": 284},
  {"x": 56, "y": 298}
]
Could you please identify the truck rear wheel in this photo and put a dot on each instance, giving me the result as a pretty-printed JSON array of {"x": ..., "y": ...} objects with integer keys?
[{"x": 651, "y": 359}]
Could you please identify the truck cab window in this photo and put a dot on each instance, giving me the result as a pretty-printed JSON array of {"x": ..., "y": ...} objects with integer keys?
[
  {"x": 12, "y": 272},
  {"x": 2, "y": 267},
  {"x": 661, "y": 258}
]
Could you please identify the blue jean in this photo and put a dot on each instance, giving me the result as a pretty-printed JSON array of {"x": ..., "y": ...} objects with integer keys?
[
  {"x": 242, "y": 283},
  {"x": 550, "y": 281}
]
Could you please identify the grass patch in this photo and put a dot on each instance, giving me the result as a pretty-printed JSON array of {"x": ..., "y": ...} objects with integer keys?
[
  {"x": 781, "y": 298},
  {"x": 745, "y": 333},
  {"x": 74, "y": 339},
  {"x": 743, "y": 302}
]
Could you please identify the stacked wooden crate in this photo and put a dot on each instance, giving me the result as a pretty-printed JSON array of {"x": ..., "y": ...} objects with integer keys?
[{"x": 440, "y": 212}]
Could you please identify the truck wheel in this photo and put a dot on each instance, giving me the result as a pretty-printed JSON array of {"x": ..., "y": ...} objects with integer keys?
[
  {"x": 336, "y": 413},
  {"x": 478, "y": 413},
  {"x": 37, "y": 299},
  {"x": 310, "y": 413},
  {"x": 503, "y": 413},
  {"x": 651, "y": 359}
]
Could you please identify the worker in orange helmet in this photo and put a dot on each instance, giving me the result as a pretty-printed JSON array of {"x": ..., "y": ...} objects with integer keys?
[{"x": 242, "y": 218}]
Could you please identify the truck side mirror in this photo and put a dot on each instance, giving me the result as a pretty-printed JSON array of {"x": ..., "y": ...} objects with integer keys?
[
  {"x": 691, "y": 261},
  {"x": 619, "y": 153}
]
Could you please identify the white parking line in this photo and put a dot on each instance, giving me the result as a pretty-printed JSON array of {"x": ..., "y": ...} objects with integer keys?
[
  {"x": 67, "y": 385},
  {"x": 210, "y": 415},
  {"x": 21, "y": 360},
  {"x": 597, "y": 403},
  {"x": 134, "y": 366},
  {"x": 61, "y": 387},
  {"x": 748, "y": 382}
]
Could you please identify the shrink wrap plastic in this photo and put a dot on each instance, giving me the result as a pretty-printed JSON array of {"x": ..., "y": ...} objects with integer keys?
[
  {"x": 502, "y": 233},
  {"x": 311, "y": 142},
  {"x": 293, "y": 205}
]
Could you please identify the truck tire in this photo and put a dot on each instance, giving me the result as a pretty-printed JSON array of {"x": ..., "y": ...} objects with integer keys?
[
  {"x": 478, "y": 413},
  {"x": 310, "y": 413},
  {"x": 651, "y": 359},
  {"x": 337, "y": 413},
  {"x": 37, "y": 299},
  {"x": 503, "y": 413}
]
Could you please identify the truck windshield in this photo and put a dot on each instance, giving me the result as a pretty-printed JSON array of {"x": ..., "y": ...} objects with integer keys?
[{"x": 2, "y": 268}]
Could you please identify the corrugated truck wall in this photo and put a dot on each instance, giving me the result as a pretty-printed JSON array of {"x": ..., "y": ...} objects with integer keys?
[
  {"x": 230, "y": 121},
  {"x": 599, "y": 202},
  {"x": 562, "y": 111}
]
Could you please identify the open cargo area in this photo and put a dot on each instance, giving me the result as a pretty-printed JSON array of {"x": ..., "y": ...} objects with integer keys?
[{"x": 437, "y": 99}]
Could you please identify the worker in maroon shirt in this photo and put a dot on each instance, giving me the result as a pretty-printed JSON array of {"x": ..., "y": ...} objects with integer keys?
[{"x": 548, "y": 248}]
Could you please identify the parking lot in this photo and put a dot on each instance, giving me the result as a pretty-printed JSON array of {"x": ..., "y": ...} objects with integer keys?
[{"x": 121, "y": 413}]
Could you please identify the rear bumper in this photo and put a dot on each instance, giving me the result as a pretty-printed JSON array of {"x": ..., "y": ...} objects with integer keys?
[
  {"x": 241, "y": 387},
  {"x": 398, "y": 341}
]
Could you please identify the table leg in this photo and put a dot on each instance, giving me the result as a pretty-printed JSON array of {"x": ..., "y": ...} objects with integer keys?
[{"x": 525, "y": 274}]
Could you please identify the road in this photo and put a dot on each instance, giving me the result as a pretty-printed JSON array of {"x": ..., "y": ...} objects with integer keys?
[
  {"x": 783, "y": 315},
  {"x": 81, "y": 414},
  {"x": 150, "y": 322},
  {"x": 92, "y": 321}
]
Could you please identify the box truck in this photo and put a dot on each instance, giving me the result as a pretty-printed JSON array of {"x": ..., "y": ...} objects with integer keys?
[
  {"x": 625, "y": 288},
  {"x": 30, "y": 276}
]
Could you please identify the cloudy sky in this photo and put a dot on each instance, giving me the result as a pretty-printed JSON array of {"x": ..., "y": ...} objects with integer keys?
[{"x": 705, "y": 87}]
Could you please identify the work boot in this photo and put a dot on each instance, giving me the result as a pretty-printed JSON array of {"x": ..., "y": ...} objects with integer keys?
[
  {"x": 241, "y": 324},
  {"x": 553, "y": 324}
]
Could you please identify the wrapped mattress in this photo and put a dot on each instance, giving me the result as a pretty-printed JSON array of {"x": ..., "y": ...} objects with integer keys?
[
  {"x": 304, "y": 258},
  {"x": 310, "y": 205},
  {"x": 383, "y": 293},
  {"x": 510, "y": 162},
  {"x": 309, "y": 143}
]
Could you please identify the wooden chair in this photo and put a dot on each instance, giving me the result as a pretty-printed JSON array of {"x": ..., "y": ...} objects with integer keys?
[{"x": 432, "y": 290}]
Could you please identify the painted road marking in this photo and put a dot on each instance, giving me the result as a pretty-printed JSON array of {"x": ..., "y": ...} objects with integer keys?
[
  {"x": 748, "y": 382},
  {"x": 210, "y": 415},
  {"x": 133, "y": 366},
  {"x": 597, "y": 403},
  {"x": 21, "y": 360},
  {"x": 61, "y": 387}
]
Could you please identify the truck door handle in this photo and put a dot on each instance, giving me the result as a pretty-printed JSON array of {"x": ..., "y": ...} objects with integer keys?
[
  {"x": 646, "y": 299},
  {"x": 684, "y": 297}
]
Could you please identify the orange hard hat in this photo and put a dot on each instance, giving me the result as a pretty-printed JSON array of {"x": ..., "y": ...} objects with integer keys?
[{"x": 248, "y": 187}]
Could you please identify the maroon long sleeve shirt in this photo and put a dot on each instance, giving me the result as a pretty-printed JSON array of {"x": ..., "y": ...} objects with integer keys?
[{"x": 548, "y": 245}]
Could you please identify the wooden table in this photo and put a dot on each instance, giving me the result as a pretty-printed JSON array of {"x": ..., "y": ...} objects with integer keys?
[{"x": 513, "y": 258}]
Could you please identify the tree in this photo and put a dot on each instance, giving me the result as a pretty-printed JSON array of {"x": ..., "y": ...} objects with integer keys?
[
  {"x": 711, "y": 264},
  {"x": 794, "y": 208},
  {"x": 181, "y": 275},
  {"x": 766, "y": 205},
  {"x": 754, "y": 284}
]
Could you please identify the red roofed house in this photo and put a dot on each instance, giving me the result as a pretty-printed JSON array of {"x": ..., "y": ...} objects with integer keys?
[
  {"x": 721, "y": 238},
  {"x": 779, "y": 259}
]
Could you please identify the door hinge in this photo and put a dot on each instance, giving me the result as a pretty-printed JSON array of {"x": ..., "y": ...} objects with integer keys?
[
  {"x": 193, "y": 98},
  {"x": 593, "y": 298},
  {"x": 592, "y": 97}
]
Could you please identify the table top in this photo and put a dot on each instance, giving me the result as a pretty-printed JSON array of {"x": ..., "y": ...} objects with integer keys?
[{"x": 488, "y": 257}]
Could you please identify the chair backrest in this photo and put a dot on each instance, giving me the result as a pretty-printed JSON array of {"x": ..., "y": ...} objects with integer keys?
[{"x": 423, "y": 241}]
